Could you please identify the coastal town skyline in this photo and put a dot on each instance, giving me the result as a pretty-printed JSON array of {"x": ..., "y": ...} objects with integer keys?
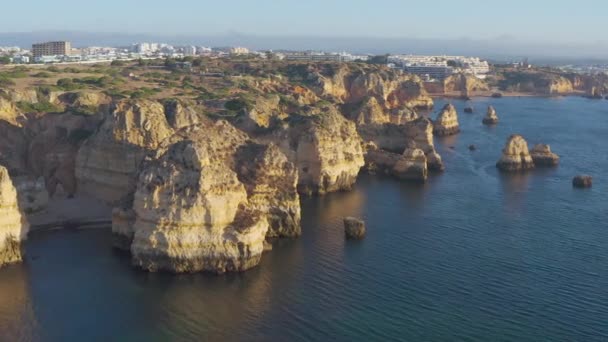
[{"x": 466, "y": 27}]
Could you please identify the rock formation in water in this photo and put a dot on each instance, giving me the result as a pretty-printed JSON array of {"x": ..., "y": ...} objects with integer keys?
[
  {"x": 13, "y": 225},
  {"x": 421, "y": 133},
  {"x": 412, "y": 165},
  {"x": 192, "y": 214},
  {"x": 354, "y": 228},
  {"x": 582, "y": 181},
  {"x": 325, "y": 148},
  {"x": 417, "y": 133},
  {"x": 107, "y": 163},
  {"x": 515, "y": 155},
  {"x": 542, "y": 155},
  {"x": 446, "y": 122},
  {"x": 207, "y": 201},
  {"x": 491, "y": 118}
]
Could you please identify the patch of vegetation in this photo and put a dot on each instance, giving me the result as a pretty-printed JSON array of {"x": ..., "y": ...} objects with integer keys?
[
  {"x": 42, "y": 74},
  {"x": 68, "y": 84},
  {"x": 142, "y": 93},
  {"x": 85, "y": 110},
  {"x": 14, "y": 73},
  {"x": 236, "y": 105},
  {"x": 117, "y": 63},
  {"x": 40, "y": 107},
  {"x": 6, "y": 82}
]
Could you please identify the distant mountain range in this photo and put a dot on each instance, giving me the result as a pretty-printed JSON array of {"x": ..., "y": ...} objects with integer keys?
[{"x": 500, "y": 49}]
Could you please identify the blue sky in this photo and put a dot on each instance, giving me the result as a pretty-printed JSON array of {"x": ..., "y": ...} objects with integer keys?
[{"x": 532, "y": 20}]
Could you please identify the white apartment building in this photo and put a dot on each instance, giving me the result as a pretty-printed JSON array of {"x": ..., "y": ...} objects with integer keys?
[{"x": 440, "y": 67}]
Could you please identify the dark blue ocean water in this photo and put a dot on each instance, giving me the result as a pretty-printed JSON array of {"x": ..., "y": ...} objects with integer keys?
[{"x": 473, "y": 255}]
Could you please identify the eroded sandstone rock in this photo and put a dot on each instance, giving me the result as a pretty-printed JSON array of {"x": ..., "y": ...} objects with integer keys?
[
  {"x": 13, "y": 224},
  {"x": 325, "y": 148},
  {"x": 192, "y": 214},
  {"x": 515, "y": 155},
  {"x": 107, "y": 162},
  {"x": 446, "y": 122},
  {"x": 491, "y": 117},
  {"x": 412, "y": 165},
  {"x": 542, "y": 155}
]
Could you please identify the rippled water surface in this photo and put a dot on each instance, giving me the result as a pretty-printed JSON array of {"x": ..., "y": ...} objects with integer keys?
[{"x": 472, "y": 255}]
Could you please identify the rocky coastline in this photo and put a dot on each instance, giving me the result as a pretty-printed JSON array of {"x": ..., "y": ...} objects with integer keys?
[{"x": 203, "y": 182}]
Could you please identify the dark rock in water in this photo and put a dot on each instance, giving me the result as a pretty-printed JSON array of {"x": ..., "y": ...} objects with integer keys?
[
  {"x": 491, "y": 118},
  {"x": 542, "y": 155},
  {"x": 354, "y": 228},
  {"x": 472, "y": 147},
  {"x": 468, "y": 110},
  {"x": 497, "y": 95},
  {"x": 582, "y": 181}
]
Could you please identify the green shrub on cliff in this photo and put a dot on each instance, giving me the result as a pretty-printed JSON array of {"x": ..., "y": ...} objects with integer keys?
[{"x": 40, "y": 107}]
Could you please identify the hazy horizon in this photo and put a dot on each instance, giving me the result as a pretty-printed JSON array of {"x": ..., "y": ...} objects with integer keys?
[
  {"x": 514, "y": 29},
  {"x": 501, "y": 49}
]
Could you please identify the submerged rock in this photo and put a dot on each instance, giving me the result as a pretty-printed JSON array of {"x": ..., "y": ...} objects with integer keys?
[
  {"x": 468, "y": 110},
  {"x": 515, "y": 155},
  {"x": 542, "y": 155},
  {"x": 447, "y": 121},
  {"x": 582, "y": 181},
  {"x": 354, "y": 228},
  {"x": 13, "y": 224},
  {"x": 491, "y": 118},
  {"x": 412, "y": 165}
]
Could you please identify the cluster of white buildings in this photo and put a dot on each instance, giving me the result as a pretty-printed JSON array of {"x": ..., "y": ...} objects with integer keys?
[
  {"x": 314, "y": 56},
  {"x": 440, "y": 67},
  {"x": 17, "y": 55},
  {"x": 164, "y": 50}
]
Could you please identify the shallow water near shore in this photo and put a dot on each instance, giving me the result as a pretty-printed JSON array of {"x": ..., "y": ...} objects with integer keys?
[{"x": 472, "y": 255}]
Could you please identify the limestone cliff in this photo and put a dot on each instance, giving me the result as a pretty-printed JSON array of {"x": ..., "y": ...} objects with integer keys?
[
  {"x": 192, "y": 214},
  {"x": 13, "y": 225},
  {"x": 412, "y": 165},
  {"x": 467, "y": 84},
  {"x": 417, "y": 133},
  {"x": 446, "y": 122},
  {"x": 107, "y": 163},
  {"x": 515, "y": 155},
  {"x": 271, "y": 184},
  {"x": 326, "y": 149},
  {"x": 352, "y": 84}
]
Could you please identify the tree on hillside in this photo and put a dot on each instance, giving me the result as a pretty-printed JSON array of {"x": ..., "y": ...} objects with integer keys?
[{"x": 5, "y": 60}]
